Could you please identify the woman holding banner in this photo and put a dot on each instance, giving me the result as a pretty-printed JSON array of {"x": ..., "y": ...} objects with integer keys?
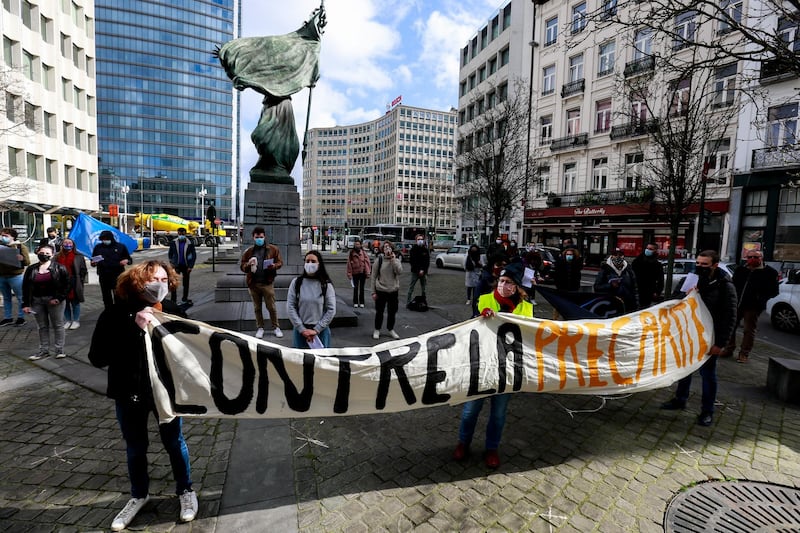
[
  {"x": 506, "y": 298},
  {"x": 118, "y": 342},
  {"x": 311, "y": 304}
]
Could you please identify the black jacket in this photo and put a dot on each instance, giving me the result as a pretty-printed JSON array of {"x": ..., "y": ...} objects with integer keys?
[
  {"x": 58, "y": 287},
  {"x": 118, "y": 343},
  {"x": 626, "y": 290},
  {"x": 189, "y": 253},
  {"x": 112, "y": 255},
  {"x": 649, "y": 278},
  {"x": 567, "y": 274},
  {"x": 755, "y": 287},
  {"x": 419, "y": 258},
  {"x": 719, "y": 295}
]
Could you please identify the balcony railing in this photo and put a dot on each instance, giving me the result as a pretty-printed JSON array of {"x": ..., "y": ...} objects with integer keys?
[
  {"x": 571, "y": 141},
  {"x": 601, "y": 197},
  {"x": 775, "y": 70},
  {"x": 573, "y": 87},
  {"x": 787, "y": 155},
  {"x": 632, "y": 129},
  {"x": 640, "y": 66}
]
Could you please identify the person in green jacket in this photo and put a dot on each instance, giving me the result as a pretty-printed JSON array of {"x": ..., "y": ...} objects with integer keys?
[{"x": 507, "y": 298}]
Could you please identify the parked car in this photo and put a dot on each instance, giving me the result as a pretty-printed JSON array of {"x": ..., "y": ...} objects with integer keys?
[
  {"x": 456, "y": 257},
  {"x": 784, "y": 309},
  {"x": 681, "y": 267},
  {"x": 549, "y": 255}
]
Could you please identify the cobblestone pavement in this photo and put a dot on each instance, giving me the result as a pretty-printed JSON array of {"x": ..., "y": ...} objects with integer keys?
[{"x": 569, "y": 463}]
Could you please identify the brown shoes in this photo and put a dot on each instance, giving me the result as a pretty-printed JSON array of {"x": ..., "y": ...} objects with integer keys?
[{"x": 461, "y": 452}]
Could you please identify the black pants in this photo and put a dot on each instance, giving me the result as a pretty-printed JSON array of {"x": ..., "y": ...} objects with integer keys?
[
  {"x": 358, "y": 288},
  {"x": 384, "y": 300},
  {"x": 184, "y": 271},
  {"x": 108, "y": 282}
]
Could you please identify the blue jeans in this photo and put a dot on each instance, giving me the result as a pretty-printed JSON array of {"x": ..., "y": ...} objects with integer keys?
[
  {"x": 298, "y": 341},
  {"x": 7, "y": 285},
  {"x": 494, "y": 427},
  {"x": 72, "y": 312},
  {"x": 132, "y": 420},
  {"x": 708, "y": 373}
]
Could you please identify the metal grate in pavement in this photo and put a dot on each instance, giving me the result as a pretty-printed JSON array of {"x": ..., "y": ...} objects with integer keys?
[{"x": 733, "y": 507}]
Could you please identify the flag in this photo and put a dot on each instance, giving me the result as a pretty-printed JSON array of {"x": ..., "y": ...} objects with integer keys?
[
  {"x": 86, "y": 234},
  {"x": 579, "y": 305}
]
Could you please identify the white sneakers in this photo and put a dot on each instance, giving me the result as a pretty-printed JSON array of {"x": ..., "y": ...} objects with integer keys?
[
  {"x": 75, "y": 325},
  {"x": 188, "y": 501},
  {"x": 67, "y": 325},
  {"x": 61, "y": 356},
  {"x": 278, "y": 333},
  {"x": 394, "y": 334},
  {"x": 188, "y": 505},
  {"x": 376, "y": 334},
  {"x": 127, "y": 514},
  {"x": 260, "y": 333}
]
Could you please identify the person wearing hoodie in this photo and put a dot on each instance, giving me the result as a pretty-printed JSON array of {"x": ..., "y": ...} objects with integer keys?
[
  {"x": 11, "y": 277},
  {"x": 616, "y": 278},
  {"x": 110, "y": 258}
]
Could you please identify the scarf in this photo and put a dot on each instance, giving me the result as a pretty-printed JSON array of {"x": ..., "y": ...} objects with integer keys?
[
  {"x": 68, "y": 260},
  {"x": 617, "y": 264},
  {"x": 507, "y": 305},
  {"x": 157, "y": 306}
]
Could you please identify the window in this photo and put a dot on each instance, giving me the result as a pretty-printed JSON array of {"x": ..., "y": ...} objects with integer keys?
[
  {"x": 13, "y": 107},
  {"x": 633, "y": 170},
  {"x": 639, "y": 111},
  {"x": 609, "y": 8},
  {"x": 69, "y": 172},
  {"x": 573, "y": 121},
  {"x": 79, "y": 133},
  {"x": 481, "y": 74},
  {"x": 507, "y": 16},
  {"x": 578, "y": 17},
  {"x": 504, "y": 55},
  {"x": 576, "y": 68},
  {"x": 32, "y": 114},
  {"x": 484, "y": 38},
  {"x": 492, "y": 66},
  {"x": 605, "y": 56},
  {"x": 787, "y": 33},
  {"x": 91, "y": 108},
  {"x": 32, "y": 161},
  {"x": 28, "y": 62},
  {"x": 66, "y": 46},
  {"x": 67, "y": 133},
  {"x": 48, "y": 77},
  {"x": 719, "y": 156},
  {"x": 549, "y": 80},
  {"x": 600, "y": 173},
  {"x": 680, "y": 97},
  {"x": 473, "y": 47},
  {"x": 8, "y": 51},
  {"x": 570, "y": 177},
  {"x": 50, "y": 171},
  {"x": 46, "y": 29},
  {"x": 471, "y": 81},
  {"x": 502, "y": 92},
  {"x": 49, "y": 123},
  {"x": 544, "y": 181},
  {"x": 462, "y": 88},
  {"x": 782, "y": 125},
  {"x": 642, "y": 44},
  {"x": 603, "y": 116},
  {"x": 465, "y": 56},
  {"x": 551, "y": 31},
  {"x": 730, "y": 15},
  {"x": 495, "y": 27},
  {"x": 755, "y": 203},
  {"x": 547, "y": 129},
  {"x": 491, "y": 100},
  {"x": 66, "y": 89},
  {"x": 725, "y": 85},
  {"x": 27, "y": 14},
  {"x": 684, "y": 30},
  {"x": 14, "y": 161}
]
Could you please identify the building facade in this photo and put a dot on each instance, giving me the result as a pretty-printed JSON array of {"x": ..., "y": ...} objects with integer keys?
[
  {"x": 167, "y": 114},
  {"x": 396, "y": 169},
  {"x": 48, "y": 151}
]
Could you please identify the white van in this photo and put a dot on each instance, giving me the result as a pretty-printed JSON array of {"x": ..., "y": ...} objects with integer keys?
[{"x": 350, "y": 240}]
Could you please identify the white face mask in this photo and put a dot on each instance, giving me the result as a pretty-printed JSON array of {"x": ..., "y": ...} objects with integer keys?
[
  {"x": 311, "y": 268},
  {"x": 420, "y": 242},
  {"x": 155, "y": 291}
]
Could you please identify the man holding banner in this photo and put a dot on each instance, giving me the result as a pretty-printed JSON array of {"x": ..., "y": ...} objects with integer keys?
[{"x": 718, "y": 293}]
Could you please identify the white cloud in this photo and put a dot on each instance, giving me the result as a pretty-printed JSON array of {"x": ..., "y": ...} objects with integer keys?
[{"x": 443, "y": 35}]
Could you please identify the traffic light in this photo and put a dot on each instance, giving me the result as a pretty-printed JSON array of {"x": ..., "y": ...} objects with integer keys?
[{"x": 706, "y": 217}]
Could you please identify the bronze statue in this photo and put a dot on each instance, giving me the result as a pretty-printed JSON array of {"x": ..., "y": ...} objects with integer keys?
[{"x": 276, "y": 66}]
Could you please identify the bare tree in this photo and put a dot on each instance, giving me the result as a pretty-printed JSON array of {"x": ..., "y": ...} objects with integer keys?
[
  {"x": 492, "y": 154},
  {"x": 684, "y": 111},
  {"x": 16, "y": 121},
  {"x": 737, "y": 34}
]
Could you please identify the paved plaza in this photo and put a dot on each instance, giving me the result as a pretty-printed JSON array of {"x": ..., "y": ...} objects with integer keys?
[{"x": 569, "y": 463}]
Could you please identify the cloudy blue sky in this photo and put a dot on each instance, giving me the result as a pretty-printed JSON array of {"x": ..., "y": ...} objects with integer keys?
[{"x": 372, "y": 52}]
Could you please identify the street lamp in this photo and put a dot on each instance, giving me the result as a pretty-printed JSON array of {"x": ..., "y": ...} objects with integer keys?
[
  {"x": 125, "y": 190},
  {"x": 202, "y": 194}
]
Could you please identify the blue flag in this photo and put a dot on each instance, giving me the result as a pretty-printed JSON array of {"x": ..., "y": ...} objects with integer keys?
[
  {"x": 86, "y": 234},
  {"x": 582, "y": 305}
]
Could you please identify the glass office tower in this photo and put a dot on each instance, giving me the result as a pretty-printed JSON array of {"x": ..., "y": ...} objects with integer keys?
[{"x": 165, "y": 108}]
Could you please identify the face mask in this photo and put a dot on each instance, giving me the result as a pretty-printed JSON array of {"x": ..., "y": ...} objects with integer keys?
[
  {"x": 155, "y": 291},
  {"x": 702, "y": 271},
  {"x": 387, "y": 250},
  {"x": 68, "y": 247},
  {"x": 420, "y": 242},
  {"x": 106, "y": 242},
  {"x": 181, "y": 237},
  {"x": 44, "y": 258},
  {"x": 6, "y": 239},
  {"x": 755, "y": 261},
  {"x": 260, "y": 241},
  {"x": 498, "y": 241},
  {"x": 649, "y": 253},
  {"x": 506, "y": 289},
  {"x": 569, "y": 258},
  {"x": 311, "y": 268},
  {"x": 357, "y": 248}
]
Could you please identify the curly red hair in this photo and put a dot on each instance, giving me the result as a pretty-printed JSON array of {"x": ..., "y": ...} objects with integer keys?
[{"x": 132, "y": 281}]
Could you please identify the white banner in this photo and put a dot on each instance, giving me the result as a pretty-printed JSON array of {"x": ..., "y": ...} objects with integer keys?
[{"x": 202, "y": 371}]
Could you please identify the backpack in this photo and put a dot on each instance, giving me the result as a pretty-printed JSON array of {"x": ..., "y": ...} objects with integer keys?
[{"x": 418, "y": 303}]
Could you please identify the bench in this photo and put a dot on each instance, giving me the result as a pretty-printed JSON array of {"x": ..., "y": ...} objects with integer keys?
[{"x": 783, "y": 379}]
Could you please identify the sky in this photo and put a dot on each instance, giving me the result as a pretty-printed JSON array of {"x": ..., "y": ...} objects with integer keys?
[{"x": 372, "y": 52}]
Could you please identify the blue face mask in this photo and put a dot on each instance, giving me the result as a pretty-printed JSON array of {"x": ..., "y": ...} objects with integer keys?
[
  {"x": 260, "y": 241},
  {"x": 181, "y": 237},
  {"x": 569, "y": 257},
  {"x": 648, "y": 253}
]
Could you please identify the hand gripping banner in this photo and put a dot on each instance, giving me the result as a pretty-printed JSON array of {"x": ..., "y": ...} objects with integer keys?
[{"x": 202, "y": 371}]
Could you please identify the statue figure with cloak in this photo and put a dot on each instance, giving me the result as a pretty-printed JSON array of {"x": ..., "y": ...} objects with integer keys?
[{"x": 277, "y": 67}]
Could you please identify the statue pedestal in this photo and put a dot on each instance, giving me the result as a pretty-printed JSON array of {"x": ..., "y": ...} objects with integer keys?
[{"x": 276, "y": 208}]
